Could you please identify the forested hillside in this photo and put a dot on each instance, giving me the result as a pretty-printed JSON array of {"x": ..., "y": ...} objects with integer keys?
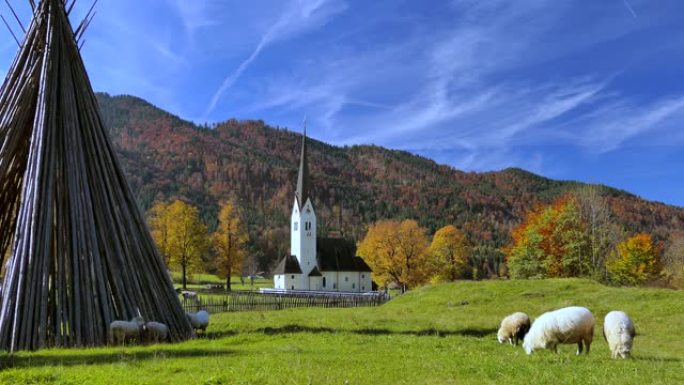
[{"x": 255, "y": 166}]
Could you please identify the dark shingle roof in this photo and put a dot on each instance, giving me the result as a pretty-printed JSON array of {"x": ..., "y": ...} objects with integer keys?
[
  {"x": 288, "y": 265},
  {"x": 334, "y": 254},
  {"x": 315, "y": 272}
]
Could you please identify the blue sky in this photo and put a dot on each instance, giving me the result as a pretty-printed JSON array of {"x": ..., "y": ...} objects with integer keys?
[{"x": 582, "y": 90}]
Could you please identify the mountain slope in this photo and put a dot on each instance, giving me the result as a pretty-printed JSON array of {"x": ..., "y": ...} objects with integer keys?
[{"x": 256, "y": 166}]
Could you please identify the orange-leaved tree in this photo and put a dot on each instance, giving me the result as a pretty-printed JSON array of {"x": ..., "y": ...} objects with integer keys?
[
  {"x": 229, "y": 241},
  {"x": 397, "y": 252},
  {"x": 448, "y": 254},
  {"x": 551, "y": 242},
  {"x": 636, "y": 260}
]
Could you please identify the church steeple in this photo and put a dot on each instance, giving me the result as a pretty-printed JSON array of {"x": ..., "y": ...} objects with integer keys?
[{"x": 302, "y": 192}]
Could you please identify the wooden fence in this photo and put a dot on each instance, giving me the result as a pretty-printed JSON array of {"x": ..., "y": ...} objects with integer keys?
[{"x": 251, "y": 300}]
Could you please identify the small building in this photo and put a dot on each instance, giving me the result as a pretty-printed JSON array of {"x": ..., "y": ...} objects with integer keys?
[{"x": 320, "y": 264}]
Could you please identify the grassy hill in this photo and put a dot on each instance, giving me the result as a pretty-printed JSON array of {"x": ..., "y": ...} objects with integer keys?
[
  {"x": 436, "y": 335},
  {"x": 255, "y": 165}
]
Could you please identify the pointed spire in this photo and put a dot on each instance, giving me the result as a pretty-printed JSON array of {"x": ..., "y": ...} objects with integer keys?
[{"x": 302, "y": 192}]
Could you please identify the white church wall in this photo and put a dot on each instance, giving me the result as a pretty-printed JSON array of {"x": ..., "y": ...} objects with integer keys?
[
  {"x": 330, "y": 281},
  {"x": 365, "y": 282},
  {"x": 349, "y": 281}
]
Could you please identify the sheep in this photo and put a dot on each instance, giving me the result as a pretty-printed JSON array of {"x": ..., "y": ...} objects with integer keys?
[
  {"x": 563, "y": 326},
  {"x": 199, "y": 320},
  {"x": 122, "y": 331},
  {"x": 619, "y": 332},
  {"x": 513, "y": 328},
  {"x": 156, "y": 332}
]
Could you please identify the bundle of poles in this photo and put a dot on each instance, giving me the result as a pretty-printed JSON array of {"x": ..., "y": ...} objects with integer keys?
[{"x": 75, "y": 249}]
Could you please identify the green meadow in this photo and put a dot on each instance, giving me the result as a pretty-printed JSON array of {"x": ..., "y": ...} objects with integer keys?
[{"x": 443, "y": 334}]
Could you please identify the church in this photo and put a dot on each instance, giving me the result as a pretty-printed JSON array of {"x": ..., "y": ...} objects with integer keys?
[{"x": 318, "y": 264}]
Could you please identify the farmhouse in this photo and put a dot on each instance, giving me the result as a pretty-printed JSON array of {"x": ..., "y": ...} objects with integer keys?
[{"x": 321, "y": 264}]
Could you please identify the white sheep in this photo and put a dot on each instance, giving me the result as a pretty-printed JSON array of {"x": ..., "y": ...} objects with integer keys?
[
  {"x": 199, "y": 320},
  {"x": 619, "y": 332},
  {"x": 563, "y": 326},
  {"x": 514, "y": 328},
  {"x": 122, "y": 331},
  {"x": 156, "y": 332}
]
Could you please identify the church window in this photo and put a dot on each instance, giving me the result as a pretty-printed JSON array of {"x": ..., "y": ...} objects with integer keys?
[
  {"x": 296, "y": 226},
  {"x": 334, "y": 286},
  {"x": 353, "y": 286},
  {"x": 292, "y": 287},
  {"x": 363, "y": 288},
  {"x": 363, "y": 275},
  {"x": 293, "y": 277},
  {"x": 323, "y": 281},
  {"x": 346, "y": 279}
]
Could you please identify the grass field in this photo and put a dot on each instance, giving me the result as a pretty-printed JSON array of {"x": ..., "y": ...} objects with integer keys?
[
  {"x": 435, "y": 335},
  {"x": 198, "y": 280}
]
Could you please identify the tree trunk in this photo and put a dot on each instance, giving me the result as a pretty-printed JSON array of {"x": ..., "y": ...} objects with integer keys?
[
  {"x": 228, "y": 283},
  {"x": 185, "y": 279}
]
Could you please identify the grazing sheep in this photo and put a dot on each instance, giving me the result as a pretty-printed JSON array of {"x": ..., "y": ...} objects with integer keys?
[
  {"x": 619, "y": 332},
  {"x": 156, "y": 332},
  {"x": 199, "y": 320},
  {"x": 121, "y": 332},
  {"x": 563, "y": 326},
  {"x": 513, "y": 328}
]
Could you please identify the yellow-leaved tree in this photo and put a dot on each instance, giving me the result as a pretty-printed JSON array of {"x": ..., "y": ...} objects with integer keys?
[
  {"x": 449, "y": 254},
  {"x": 229, "y": 242},
  {"x": 159, "y": 227},
  {"x": 397, "y": 252},
  {"x": 636, "y": 260},
  {"x": 180, "y": 235}
]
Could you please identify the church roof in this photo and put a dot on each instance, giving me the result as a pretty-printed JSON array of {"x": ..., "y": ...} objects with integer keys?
[
  {"x": 334, "y": 254},
  {"x": 315, "y": 272},
  {"x": 302, "y": 192},
  {"x": 288, "y": 265}
]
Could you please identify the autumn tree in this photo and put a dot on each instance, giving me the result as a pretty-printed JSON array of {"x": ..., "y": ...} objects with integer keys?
[
  {"x": 184, "y": 236},
  {"x": 603, "y": 232},
  {"x": 397, "y": 252},
  {"x": 229, "y": 242},
  {"x": 551, "y": 242},
  {"x": 448, "y": 254},
  {"x": 673, "y": 262},
  {"x": 635, "y": 261},
  {"x": 159, "y": 227}
]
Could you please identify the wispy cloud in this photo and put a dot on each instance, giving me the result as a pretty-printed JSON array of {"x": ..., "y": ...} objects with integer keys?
[
  {"x": 629, "y": 8},
  {"x": 299, "y": 17}
]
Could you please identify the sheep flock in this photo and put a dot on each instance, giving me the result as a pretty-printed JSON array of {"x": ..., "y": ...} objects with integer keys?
[
  {"x": 569, "y": 325},
  {"x": 137, "y": 330}
]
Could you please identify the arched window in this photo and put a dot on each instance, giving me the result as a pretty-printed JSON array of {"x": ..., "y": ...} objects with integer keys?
[
  {"x": 296, "y": 226},
  {"x": 323, "y": 281}
]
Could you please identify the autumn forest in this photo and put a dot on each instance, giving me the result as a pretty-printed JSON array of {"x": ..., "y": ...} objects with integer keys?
[{"x": 507, "y": 223}]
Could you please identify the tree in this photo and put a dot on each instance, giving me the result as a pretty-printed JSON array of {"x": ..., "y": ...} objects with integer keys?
[
  {"x": 673, "y": 262},
  {"x": 159, "y": 227},
  {"x": 180, "y": 235},
  {"x": 551, "y": 242},
  {"x": 635, "y": 261},
  {"x": 449, "y": 254},
  {"x": 229, "y": 243},
  {"x": 602, "y": 230},
  {"x": 397, "y": 252}
]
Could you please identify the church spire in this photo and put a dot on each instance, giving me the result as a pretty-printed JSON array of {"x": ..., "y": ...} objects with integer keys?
[{"x": 303, "y": 177}]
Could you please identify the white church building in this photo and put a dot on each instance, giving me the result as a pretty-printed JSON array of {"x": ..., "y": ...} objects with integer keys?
[{"x": 320, "y": 264}]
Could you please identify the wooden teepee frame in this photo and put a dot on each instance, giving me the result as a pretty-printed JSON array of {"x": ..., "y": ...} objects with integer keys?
[{"x": 81, "y": 254}]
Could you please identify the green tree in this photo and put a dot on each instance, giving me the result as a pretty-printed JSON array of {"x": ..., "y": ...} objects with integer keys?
[{"x": 551, "y": 242}]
